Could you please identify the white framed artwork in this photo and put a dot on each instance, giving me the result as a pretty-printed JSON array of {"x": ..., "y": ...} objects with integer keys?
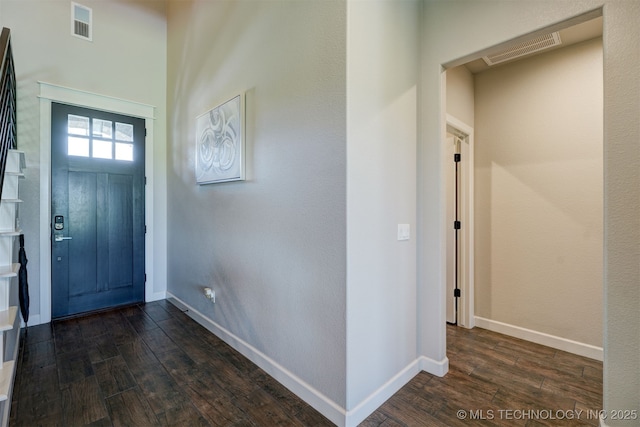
[{"x": 220, "y": 143}]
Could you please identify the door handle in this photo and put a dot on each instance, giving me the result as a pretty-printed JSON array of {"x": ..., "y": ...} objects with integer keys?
[{"x": 61, "y": 238}]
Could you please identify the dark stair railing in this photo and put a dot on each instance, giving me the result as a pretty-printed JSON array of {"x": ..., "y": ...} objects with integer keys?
[{"x": 8, "y": 131}]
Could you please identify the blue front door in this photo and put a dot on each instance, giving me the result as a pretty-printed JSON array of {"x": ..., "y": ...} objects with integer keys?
[{"x": 97, "y": 210}]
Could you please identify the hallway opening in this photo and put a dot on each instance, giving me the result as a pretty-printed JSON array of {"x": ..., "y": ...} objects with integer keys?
[{"x": 538, "y": 182}]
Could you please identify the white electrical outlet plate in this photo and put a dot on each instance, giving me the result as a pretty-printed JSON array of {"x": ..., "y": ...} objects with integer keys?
[
  {"x": 404, "y": 232},
  {"x": 210, "y": 293}
]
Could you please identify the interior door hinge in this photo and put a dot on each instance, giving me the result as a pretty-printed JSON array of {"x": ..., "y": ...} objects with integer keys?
[
  {"x": 145, "y": 131},
  {"x": 145, "y": 277},
  {"x": 145, "y": 229},
  {"x": 145, "y": 180},
  {"x": 456, "y": 157},
  {"x": 456, "y": 225},
  {"x": 456, "y": 293}
]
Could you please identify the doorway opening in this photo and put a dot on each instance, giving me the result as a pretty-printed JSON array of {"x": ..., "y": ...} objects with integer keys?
[
  {"x": 459, "y": 171},
  {"x": 538, "y": 193}
]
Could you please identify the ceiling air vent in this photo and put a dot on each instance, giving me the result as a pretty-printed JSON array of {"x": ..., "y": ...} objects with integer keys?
[
  {"x": 525, "y": 48},
  {"x": 81, "y": 21}
]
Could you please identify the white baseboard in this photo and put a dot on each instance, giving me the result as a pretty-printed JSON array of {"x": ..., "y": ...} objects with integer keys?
[
  {"x": 365, "y": 408},
  {"x": 434, "y": 367},
  {"x": 306, "y": 392},
  {"x": 559, "y": 343}
]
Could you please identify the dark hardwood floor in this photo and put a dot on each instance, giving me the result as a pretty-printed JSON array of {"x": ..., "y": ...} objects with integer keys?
[
  {"x": 151, "y": 365},
  {"x": 497, "y": 380}
]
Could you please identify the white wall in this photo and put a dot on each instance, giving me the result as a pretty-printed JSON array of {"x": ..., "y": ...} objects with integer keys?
[
  {"x": 539, "y": 193},
  {"x": 272, "y": 247},
  {"x": 460, "y": 94},
  {"x": 45, "y": 51},
  {"x": 456, "y": 33},
  {"x": 382, "y": 89}
]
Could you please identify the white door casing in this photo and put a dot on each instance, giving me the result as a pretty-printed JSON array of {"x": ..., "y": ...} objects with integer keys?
[
  {"x": 465, "y": 212},
  {"x": 53, "y": 93}
]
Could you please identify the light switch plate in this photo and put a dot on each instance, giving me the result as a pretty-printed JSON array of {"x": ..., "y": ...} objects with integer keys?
[{"x": 404, "y": 232}]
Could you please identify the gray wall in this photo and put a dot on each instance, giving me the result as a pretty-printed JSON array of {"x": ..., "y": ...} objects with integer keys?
[
  {"x": 272, "y": 247},
  {"x": 382, "y": 94},
  {"x": 331, "y": 173}
]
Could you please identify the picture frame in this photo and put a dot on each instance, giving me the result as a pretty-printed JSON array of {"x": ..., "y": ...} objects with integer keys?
[{"x": 220, "y": 143}]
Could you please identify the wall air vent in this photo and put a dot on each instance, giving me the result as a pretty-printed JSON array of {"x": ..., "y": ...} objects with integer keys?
[
  {"x": 525, "y": 48},
  {"x": 81, "y": 24}
]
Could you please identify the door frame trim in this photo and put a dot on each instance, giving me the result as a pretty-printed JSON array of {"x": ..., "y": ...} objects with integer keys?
[
  {"x": 49, "y": 93},
  {"x": 466, "y": 309}
]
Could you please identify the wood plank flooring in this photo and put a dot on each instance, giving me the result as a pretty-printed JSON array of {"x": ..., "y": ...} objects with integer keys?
[
  {"x": 152, "y": 365},
  {"x": 496, "y": 380}
]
